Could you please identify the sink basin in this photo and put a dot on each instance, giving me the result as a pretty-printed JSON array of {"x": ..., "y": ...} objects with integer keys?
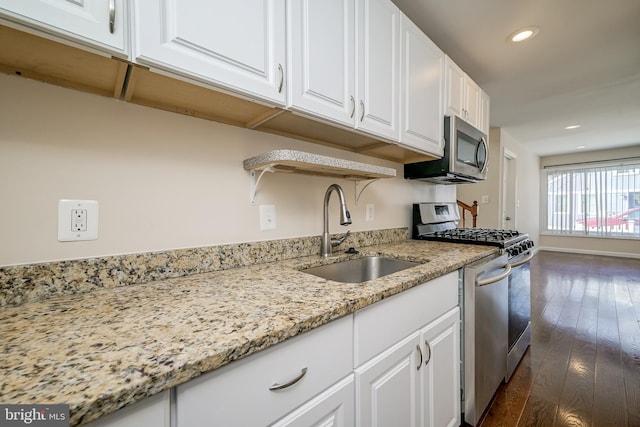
[{"x": 361, "y": 269}]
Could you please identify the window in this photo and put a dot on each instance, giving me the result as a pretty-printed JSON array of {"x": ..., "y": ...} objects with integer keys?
[{"x": 601, "y": 200}]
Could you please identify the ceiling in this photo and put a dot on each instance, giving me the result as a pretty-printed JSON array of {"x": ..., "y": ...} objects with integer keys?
[{"x": 583, "y": 67}]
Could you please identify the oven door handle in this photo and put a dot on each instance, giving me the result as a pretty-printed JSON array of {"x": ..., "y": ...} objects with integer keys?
[
  {"x": 522, "y": 261},
  {"x": 490, "y": 280}
]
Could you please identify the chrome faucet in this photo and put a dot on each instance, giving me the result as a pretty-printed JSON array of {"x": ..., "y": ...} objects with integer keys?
[{"x": 345, "y": 219}]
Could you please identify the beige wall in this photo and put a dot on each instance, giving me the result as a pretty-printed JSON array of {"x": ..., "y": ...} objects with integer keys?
[
  {"x": 162, "y": 180},
  {"x": 591, "y": 245},
  {"x": 527, "y": 186}
]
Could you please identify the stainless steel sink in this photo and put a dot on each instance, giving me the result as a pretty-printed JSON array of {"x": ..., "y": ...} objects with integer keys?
[{"x": 361, "y": 269}]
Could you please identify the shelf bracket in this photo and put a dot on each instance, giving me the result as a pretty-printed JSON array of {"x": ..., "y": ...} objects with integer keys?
[
  {"x": 359, "y": 193},
  {"x": 253, "y": 184}
]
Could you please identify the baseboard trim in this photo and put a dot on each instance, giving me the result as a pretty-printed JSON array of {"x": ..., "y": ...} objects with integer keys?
[{"x": 589, "y": 252}]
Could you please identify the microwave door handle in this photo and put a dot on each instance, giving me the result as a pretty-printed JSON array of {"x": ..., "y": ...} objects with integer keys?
[{"x": 483, "y": 141}]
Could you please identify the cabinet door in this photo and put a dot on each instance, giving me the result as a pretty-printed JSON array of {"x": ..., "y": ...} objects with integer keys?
[
  {"x": 455, "y": 89},
  {"x": 441, "y": 376},
  {"x": 333, "y": 408},
  {"x": 99, "y": 23},
  {"x": 322, "y": 61},
  {"x": 238, "y": 46},
  {"x": 484, "y": 123},
  {"x": 388, "y": 386},
  {"x": 153, "y": 412},
  {"x": 472, "y": 108},
  {"x": 378, "y": 50},
  {"x": 422, "y": 89}
]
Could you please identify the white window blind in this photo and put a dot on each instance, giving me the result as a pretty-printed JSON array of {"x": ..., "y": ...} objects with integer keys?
[{"x": 601, "y": 200}]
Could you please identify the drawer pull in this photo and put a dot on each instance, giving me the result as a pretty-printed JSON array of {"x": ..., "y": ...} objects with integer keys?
[{"x": 277, "y": 386}]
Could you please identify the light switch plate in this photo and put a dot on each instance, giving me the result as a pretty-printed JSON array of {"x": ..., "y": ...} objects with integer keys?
[
  {"x": 77, "y": 220},
  {"x": 267, "y": 217}
]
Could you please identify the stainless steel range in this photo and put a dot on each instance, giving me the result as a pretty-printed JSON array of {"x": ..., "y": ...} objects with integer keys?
[{"x": 494, "y": 299}]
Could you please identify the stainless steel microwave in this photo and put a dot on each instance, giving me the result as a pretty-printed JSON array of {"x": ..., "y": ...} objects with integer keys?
[{"x": 465, "y": 156}]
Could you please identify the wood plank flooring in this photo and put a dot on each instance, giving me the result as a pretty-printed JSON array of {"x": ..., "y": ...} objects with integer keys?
[{"x": 583, "y": 366}]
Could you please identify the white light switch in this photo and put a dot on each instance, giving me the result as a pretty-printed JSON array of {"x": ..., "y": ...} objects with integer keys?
[
  {"x": 370, "y": 212},
  {"x": 485, "y": 200},
  {"x": 77, "y": 220},
  {"x": 267, "y": 217}
]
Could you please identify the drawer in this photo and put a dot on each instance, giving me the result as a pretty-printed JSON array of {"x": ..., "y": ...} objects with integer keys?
[
  {"x": 238, "y": 394},
  {"x": 383, "y": 324}
]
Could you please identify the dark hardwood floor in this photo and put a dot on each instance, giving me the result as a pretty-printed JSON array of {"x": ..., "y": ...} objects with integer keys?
[{"x": 583, "y": 366}]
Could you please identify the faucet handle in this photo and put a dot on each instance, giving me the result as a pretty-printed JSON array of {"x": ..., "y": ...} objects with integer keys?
[{"x": 340, "y": 240}]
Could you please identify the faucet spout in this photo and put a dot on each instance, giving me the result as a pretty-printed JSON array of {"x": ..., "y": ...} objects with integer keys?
[{"x": 345, "y": 218}]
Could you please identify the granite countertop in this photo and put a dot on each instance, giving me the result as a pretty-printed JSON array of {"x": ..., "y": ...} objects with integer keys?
[{"x": 106, "y": 349}]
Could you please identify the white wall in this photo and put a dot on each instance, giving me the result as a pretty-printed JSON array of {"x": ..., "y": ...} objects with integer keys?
[
  {"x": 162, "y": 180},
  {"x": 527, "y": 186}
]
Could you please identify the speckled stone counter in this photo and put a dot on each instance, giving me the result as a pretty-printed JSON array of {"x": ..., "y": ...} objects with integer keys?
[{"x": 105, "y": 349}]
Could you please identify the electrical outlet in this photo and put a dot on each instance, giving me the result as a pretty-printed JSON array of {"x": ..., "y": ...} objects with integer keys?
[
  {"x": 77, "y": 220},
  {"x": 267, "y": 217},
  {"x": 370, "y": 212},
  {"x": 485, "y": 200}
]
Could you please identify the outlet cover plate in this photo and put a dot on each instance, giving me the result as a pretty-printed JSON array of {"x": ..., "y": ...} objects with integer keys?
[{"x": 77, "y": 220}]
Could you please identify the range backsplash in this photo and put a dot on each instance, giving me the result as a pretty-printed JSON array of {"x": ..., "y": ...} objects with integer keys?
[{"x": 33, "y": 282}]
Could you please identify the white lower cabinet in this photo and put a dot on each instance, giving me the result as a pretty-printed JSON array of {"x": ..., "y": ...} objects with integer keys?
[
  {"x": 416, "y": 381},
  {"x": 333, "y": 408},
  {"x": 246, "y": 393},
  {"x": 441, "y": 371},
  {"x": 388, "y": 386},
  {"x": 152, "y": 412}
]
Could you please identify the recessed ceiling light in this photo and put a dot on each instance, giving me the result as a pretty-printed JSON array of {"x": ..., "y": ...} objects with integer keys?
[
  {"x": 523, "y": 34},
  {"x": 572, "y": 127},
  {"x": 580, "y": 147}
]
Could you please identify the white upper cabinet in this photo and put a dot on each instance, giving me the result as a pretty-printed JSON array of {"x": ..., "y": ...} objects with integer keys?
[
  {"x": 378, "y": 82},
  {"x": 100, "y": 24},
  {"x": 321, "y": 43},
  {"x": 237, "y": 46},
  {"x": 485, "y": 104},
  {"x": 422, "y": 115},
  {"x": 464, "y": 98}
]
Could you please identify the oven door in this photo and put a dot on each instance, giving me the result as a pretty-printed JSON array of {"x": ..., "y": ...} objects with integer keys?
[
  {"x": 519, "y": 325},
  {"x": 469, "y": 149}
]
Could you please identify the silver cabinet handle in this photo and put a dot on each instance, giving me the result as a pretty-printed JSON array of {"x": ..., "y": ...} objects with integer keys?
[
  {"x": 277, "y": 386},
  {"x": 419, "y": 351},
  {"x": 490, "y": 280},
  {"x": 281, "y": 78},
  {"x": 362, "y": 107},
  {"x": 353, "y": 107},
  {"x": 426, "y": 343},
  {"x": 112, "y": 16}
]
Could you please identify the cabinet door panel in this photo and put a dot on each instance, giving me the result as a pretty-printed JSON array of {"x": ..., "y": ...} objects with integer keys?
[
  {"x": 455, "y": 89},
  {"x": 378, "y": 45},
  {"x": 422, "y": 91},
  {"x": 152, "y": 411},
  {"x": 322, "y": 73},
  {"x": 72, "y": 19},
  {"x": 238, "y": 46},
  {"x": 442, "y": 371},
  {"x": 332, "y": 408},
  {"x": 473, "y": 103},
  {"x": 388, "y": 388}
]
